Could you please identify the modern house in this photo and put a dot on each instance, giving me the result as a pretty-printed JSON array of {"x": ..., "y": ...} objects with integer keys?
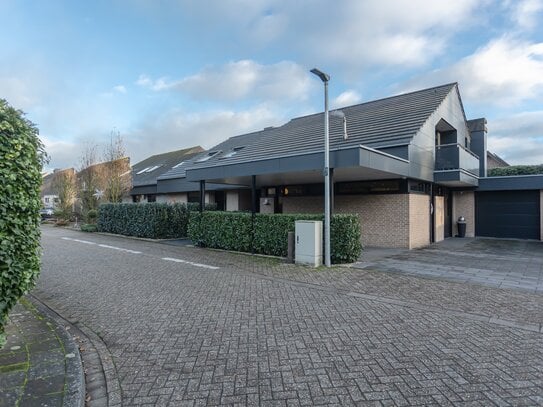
[
  {"x": 408, "y": 165},
  {"x": 146, "y": 172},
  {"x": 50, "y": 189}
]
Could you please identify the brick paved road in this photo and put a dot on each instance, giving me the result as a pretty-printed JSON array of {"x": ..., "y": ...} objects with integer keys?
[{"x": 256, "y": 332}]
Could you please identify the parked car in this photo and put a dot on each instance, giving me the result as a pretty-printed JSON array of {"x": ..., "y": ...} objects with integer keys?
[{"x": 47, "y": 212}]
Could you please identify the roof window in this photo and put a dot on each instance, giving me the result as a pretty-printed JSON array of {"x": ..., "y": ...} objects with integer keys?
[
  {"x": 208, "y": 156},
  {"x": 148, "y": 169},
  {"x": 179, "y": 165},
  {"x": 233, "y": 152}
]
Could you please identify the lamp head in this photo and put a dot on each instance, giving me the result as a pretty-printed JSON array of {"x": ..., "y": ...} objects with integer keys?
[{"x": 323, "y": 76}]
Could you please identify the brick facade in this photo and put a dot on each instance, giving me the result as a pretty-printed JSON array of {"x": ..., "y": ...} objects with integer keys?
[
  {"x": 384, "y": 219},
  {"x": 464, "y": 205},
  {"x": 419, "y": 220}
]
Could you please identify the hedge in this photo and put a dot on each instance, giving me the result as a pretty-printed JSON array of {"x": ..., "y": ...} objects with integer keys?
[
  {"x": 515, "y": 170},
  {"x": 21, "y": 160},
  {"x": 234, "y": 231},
  {"x": 152, "y": 220}
]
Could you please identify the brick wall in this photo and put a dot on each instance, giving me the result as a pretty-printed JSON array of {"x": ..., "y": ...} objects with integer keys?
[
  {"x": 384, "y": 219},
  {"x": 181, "y": 198},
  {"x": 419, "y": 220},
  {"x": 464, "y": 205}
]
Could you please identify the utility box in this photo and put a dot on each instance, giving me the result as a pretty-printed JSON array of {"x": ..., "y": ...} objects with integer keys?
[{"x": 308, "y": 242}]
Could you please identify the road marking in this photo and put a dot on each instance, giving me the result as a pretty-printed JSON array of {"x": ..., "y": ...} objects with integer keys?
[
  {"x": 191, "y": 263},
  {"x": 102, "y": 245},
  {"x": 119, "y": 248},
  {"x": 78, "y": 240}
]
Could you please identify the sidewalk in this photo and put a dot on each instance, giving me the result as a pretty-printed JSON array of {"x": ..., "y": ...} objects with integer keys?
[{"x": 40, "y": 364}]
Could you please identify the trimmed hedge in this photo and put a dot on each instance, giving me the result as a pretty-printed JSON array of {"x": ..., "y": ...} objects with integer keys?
[
  {"x": 234, "y": 231},
  {"x": 152, "y": 220},
  {"x": 21, "y": 160},
  {"x": 515, "y": 170}
]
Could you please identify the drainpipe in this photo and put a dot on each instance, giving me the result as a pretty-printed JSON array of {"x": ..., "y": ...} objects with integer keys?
[
  {"x": 202, "y": 195},
  {"x": 253, "y": 212}
]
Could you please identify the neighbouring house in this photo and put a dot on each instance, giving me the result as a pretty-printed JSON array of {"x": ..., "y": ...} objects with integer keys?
[
  {"x": 494, "y": 161},
  {"x": 50, "y": 187},
  {"x": 408, "y": 165},
  {"x": 146, "y": 172}
]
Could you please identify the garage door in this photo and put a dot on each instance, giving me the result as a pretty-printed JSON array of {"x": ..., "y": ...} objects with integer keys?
[{"x": 513, "y": 214}]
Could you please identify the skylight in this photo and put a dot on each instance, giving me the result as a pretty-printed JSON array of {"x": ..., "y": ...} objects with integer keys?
[
  {"x": 208, "y": 156},
  {"x": 179, "y": 165},
  {"x": 233, "y": 152},
  {"x": 148, "y": 169}
]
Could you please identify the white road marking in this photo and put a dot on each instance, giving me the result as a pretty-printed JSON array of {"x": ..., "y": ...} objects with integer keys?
[
  {"x": 191, "y": 263},
  {"x": 77, "y": 240},
  {"x": 102, "y": 245},
  {"x": 119, "y": 248}
]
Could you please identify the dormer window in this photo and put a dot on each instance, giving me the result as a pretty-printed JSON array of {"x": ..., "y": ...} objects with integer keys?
[
  {"x": 233, "y": 152},
  {"x": 208, "y": 156}
]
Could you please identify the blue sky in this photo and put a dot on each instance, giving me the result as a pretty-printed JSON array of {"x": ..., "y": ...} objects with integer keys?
[{"x": 173, "y": 74}]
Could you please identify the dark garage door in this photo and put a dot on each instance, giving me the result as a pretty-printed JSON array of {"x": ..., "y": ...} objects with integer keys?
[{"x": 513, "y": 214}]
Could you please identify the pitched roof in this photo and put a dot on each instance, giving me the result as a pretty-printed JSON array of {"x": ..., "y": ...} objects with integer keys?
[
  {"x": 392, "y": 121},
  {"x": 147, "y": 171}
]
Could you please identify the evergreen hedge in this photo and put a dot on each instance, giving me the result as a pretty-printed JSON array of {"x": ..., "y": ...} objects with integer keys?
[
  {"x": 21, "y": 160},
  {"x": 234, "y": 231},
  {"x": 515, "y": 170},
  {"x": 154, "y": 220}
]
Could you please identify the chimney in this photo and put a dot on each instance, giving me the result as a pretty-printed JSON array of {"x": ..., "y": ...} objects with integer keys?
[{"x": 478, "y": 131}]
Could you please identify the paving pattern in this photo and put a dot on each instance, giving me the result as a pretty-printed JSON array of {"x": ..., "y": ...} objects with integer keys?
[{"x": 258, "y": 332}]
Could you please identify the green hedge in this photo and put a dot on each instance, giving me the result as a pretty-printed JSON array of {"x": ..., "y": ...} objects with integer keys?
[
  {"x": 150, "y": 220},
  {"x": 515, "y": 170},
  {"x": 234, "y": 231},
  {"x": 21, "y": 160}
]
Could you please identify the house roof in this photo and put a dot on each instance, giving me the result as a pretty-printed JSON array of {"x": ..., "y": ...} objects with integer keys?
[
  {"x": 498, "y": 160},
  {"x": 147, "y": 171},
  {"x": 378, "y": 124},
  {"x": 48, "y": 186}
]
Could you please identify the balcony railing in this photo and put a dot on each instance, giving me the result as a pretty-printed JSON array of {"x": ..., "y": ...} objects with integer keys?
[{"x": 456, "y": 157}]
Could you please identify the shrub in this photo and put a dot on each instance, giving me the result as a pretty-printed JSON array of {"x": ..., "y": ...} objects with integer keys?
[
  {"x": 21, "y": 160},
  {"x": 149, "y": 220},
  {"x": 92, "y": 215},
  {"x": 515, "y": 170},
  {"x": 269, "y": 233},
  {"x": 86, "y": 227}
]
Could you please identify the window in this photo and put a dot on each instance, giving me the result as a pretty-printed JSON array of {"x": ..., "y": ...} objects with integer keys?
[
  {"x": 208, "y": 156},
  {"x": 151, "y": 198},
  {"x": 47, "y": 200},
  {"x": 179, "y": 165},
  {"x": 148, "y": 169},
  {"x": 232, "y": 152}
]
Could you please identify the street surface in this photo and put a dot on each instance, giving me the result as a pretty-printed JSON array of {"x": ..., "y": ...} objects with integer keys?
[{"x": 188, "y": 326}]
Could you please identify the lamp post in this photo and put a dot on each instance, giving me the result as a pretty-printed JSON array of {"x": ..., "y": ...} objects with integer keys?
[{"x": 325, "y": 78}]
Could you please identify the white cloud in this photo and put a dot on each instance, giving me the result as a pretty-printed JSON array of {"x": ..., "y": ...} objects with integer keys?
[
  {"x": 177, "y": 129},
  {"x": 505, "y": 72},
  {"x": 119, "y": 89},
  {"x": 347, "y": 98},
  {"x": 525, "y": 13},
  {"x": 238, "y": 80},
  {"x": 519, "y": 138}
]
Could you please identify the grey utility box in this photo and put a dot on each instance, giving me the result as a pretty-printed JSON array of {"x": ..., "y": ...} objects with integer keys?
[{"x": 308, "y": 242}]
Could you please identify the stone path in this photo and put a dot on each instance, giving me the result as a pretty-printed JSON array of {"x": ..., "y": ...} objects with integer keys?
[{"x": 213, "y": 328}]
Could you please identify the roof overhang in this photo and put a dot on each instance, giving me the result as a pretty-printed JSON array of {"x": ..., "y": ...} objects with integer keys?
[
  {"x": 143, "y": 190},
  {"x": 456, "y": 178},
  {"x": 511, "y": 183},
  {"x": 350, "y": 163}
]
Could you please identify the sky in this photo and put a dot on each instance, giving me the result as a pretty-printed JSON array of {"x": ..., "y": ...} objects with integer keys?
[{"x": 172, "y": 74}]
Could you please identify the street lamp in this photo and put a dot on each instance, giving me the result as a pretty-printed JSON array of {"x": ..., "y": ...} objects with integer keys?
[{"x": 325, "y": 78}]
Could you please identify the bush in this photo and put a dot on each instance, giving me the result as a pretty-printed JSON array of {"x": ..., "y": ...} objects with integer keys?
[
  {"x": 21, "y": 160},
  {"x": 515, "y": 170},
  {"x": 149, "y": 220},
  {"x": 86, "y": 227},
  {"x": 92, "y": 215},
  {"x": 234, "y": 231}
]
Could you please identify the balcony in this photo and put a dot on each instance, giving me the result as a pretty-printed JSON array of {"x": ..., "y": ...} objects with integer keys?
[{"x": 456, "y": 166}]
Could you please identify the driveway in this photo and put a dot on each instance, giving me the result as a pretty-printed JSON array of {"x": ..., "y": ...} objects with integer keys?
[
  {"x": 514, "y": 264},
  {"x": 188, "y": 326}
]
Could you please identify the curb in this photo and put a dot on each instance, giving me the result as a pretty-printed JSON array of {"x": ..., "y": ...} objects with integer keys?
[
  {"x": 98, "y": 372},
  {"x": 74, "y": 395}
]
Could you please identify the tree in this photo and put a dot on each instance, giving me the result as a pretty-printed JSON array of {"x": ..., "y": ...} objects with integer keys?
[
  {"x": 64, "y": 185},
  {"x": 117, "y": 168},
  {"x": 21, "y": 160},
  {"x": 89, "y": 178}
]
